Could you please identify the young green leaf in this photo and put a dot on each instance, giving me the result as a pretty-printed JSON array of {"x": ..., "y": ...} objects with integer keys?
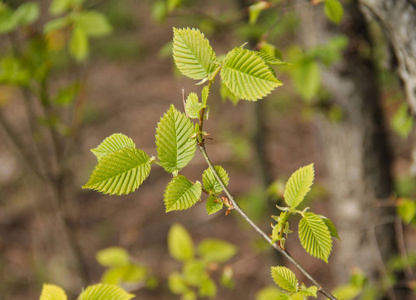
[
  {"x": 283, "y": 297},
  {"x": 192, "y": 53},
  {"x": 52, "y": 292},
  {"x": 406, "y": 208},
  {"x": 248, "y": 76},
  {"x": 131, "y": 273},
  {"x": 180, "y": 243},
  {"x": 331, "y": 227},
  {"x": 55, "y": 24},
  {"x": 181, "y": 194},
  {"x": 307, "y": 78},
  {"x": 315, "y": 237},
  {"x": 67, "y": 95},
  {"x": 120, "y": 172},
  {"x": 255, "y": 10},
  {"x": 402, "y": 122},
  {"x": 285, "y": 278},
  {"x": 213, "y": 205},
  {"x": 92, "y": 23},
  {"x": 27, "y": 13},
  {"x": 308, "y": 292},
  {"x": 78, "y": 44},
  {"x": 177, "y": 284},
  {"x": 194, "y": 272},
  {"x": 113, "y": 257},
  {"x": 59, "y": 6},
  {"x": 7, "y": 20},
  {"x": 105, "y": 291},
  {"x": 208, "y": 288},
  {"x": 227, "y": 94},
  {"x": 271, "y": 60},
  {"x": 334, "y": 10},
  {"x": 175, "y": 148},
  {"x": 111, "y": 144},
  {"x": 211, "y": 183},
  {"x": 268, "y": 293},
  {"x": 205, "y": 94},
  {"x": 193, "y": 106},
  {"x": 298, "y": 185},
  {"x": 213, "y": 250}
]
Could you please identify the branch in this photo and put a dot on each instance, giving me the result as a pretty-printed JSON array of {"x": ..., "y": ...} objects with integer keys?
[{"x": 262, "y": 233}]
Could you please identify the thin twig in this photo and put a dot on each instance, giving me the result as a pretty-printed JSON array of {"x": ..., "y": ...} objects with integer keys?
[{"x": 262, "y": 233}]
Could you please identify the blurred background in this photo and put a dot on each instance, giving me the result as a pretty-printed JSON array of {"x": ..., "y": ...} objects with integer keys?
[{"x": 73, "y": 72}]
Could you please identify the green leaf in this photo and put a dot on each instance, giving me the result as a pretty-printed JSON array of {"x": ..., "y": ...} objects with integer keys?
[
  {"x": 205, "y": 94},
  {"x": 132, "y": 273},
  {"x": 268, "y": 293},
  {"x": 315, "y": 237},
  {"x": 13, "y": 72},
  {"x": 347, "y": 292},
  {"x": 194, "y": 272},
  {"x": 181, "y": 194},
  {"x": 334, "y": 10},
  {"x": 55, "y": 24},
  {"x": 59, "y": 6},
  {"x": 307, "y": 78},
  {"x": 193, "y": 106},
  {"x": 93, "y": 23},
  {"x": 192, "y": 53},
  {"x": 255, "y": 10},
  {"x": 406, "y": 208},
  {"x": 66, "y": 95},
  {"x": 271, "y": 60},
  {"x": 227, "y": 277},
  {"x": 213, "y": 205},
  {"x": 177, "y": 284},
  {"x": 78, "y": 44},
  {"x": 159, "y": 10},
  {"x": 111, "y": 144},
  {"x": 402, "y": 122},
  {"x": 283, "y": 297},
  {"x": 175, "y": 148},
  {"x": 227, "y": 94},
  {"x": 211, "y": 183},
  {"x": 7, "y": 20},
  {"x": 248, "y": 76},
  {"x": 214, "y": 250},
  {"x": 52, "y": 292},
  {"x": 120, "y": 172},
  {"x": 180, "y": 243},
  {"x": 208, "y": 288},
  {"x": 113, "y": 257},
  {"x": 298, "y": 185},
  {"x": 27, "y": 13},
  {"x": 308, "y": 292},
  {"x": 105, "y": 291},
  {"x": 285, "y": 278},
  {"x": 173, "y": 4},
  {"x": 331, "y": 227}
]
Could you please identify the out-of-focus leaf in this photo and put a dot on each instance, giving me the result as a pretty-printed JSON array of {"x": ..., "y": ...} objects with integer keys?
[
  {"x": 78, "y": 44},
  {"x": 27, "y": 13}
]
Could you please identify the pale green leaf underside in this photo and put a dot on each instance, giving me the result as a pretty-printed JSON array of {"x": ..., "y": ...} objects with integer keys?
[
  {"x": 248, "y": 76},
  {"x": 180, "y": 243},
  {"x": 120, "y": 172},
  {"x": 331, "y": 227},
  {"x": 315, "y": 237},
  {"x": 105, "y": 291},
  {"x": 192, "y": 53},
  {"x": 52, "y": 292},
  {"x": 211, "y": 183},
  {"x": 298, "y": 185},
  {"x": 193, "y": 106},
  {"x": 175, "y": 148},
  {"x": 181, "y": 194},
  {"x": 112, "y": 144},
  {"x": 213, "y": 205},
  {"x": 285, "y": 278}
]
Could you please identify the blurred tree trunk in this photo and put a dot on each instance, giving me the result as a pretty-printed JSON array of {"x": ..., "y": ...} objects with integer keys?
[{"x": 356, "y": 148}]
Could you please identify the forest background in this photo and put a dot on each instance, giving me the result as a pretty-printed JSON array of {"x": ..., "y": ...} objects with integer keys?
[{"x": 346, "y": 105}]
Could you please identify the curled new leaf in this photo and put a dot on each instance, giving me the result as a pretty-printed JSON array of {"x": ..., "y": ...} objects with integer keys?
[
  {"x": 315, "y": 237},
  {"x": 213, "y": 205},
  {"x": 285, "y": 278},
  {"x": 193, "y": 106},
  {"x": 192, "y": 53},
  {"x": 175, "y": 148},
  {"x": 120, "y": 172},
  {"x": 211, "y": 183},
  {"x": 181, "y": 194},
  {"x": 247, "y": 75}
]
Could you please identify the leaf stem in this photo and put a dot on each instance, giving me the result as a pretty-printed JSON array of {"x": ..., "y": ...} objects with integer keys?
[{"x": 237, "y": 208}]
